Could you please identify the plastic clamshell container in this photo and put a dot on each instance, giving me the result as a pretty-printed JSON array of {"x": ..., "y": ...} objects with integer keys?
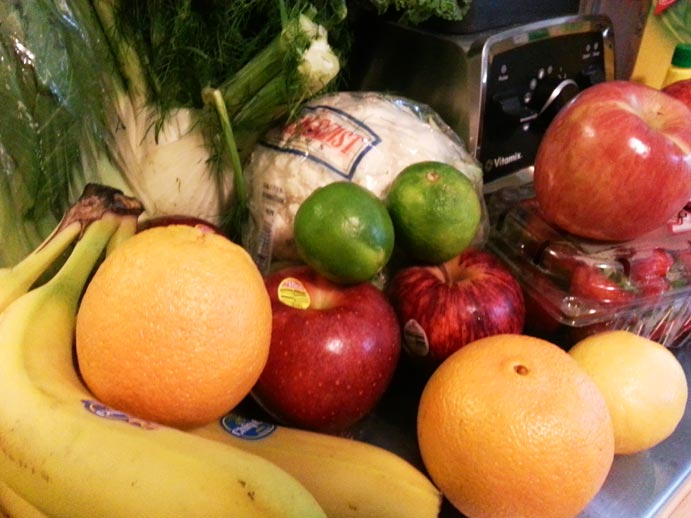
[{"x": 575, "y": 287}]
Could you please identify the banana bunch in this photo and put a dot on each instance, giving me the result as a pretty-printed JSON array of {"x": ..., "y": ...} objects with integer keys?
[
  {"x": 65, "y": 454},
  {"x": 70, "y": 456}
]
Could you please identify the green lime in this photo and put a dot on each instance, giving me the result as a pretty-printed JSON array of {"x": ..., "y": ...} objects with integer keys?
[
  {"x": 344, "y": 232},
  {"x": 435, "y": 209}
]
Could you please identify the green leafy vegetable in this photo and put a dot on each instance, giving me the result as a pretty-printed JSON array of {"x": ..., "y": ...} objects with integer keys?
[
  {"x": 50, "y": 111},
  {"x": 418, "y": 11}
]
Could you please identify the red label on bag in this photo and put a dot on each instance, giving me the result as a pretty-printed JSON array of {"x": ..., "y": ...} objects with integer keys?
[
  {"x": 328, "y": 136},
  {"x": 663, "y": 5}
]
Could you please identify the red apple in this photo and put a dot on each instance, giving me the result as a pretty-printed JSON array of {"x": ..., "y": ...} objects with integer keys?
[
  {"x": 334, "y": 350},
  {"x": 680, "y": 90},
  {"x": 446, "y": 306},
  {"x": 178, "y": 219},
  {"x": 615, "y": 163}
]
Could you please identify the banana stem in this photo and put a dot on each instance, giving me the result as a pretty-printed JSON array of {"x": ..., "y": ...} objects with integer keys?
[
  {"x": 126, "y": 229},
  {"x": 72, "y": 276},
  {"x": 95, "y": 201},
  {"x": 111, "y": 209}
]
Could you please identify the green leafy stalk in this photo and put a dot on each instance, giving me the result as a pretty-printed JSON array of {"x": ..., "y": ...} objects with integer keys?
[
  {"x": 138, "y": 84},
  {"x": 214, "y": 97},
  {"x": 251, "y": 78},
  {"x": 295, "y": 66}
]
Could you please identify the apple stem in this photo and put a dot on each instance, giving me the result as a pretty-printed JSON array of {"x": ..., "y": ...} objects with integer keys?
[{"x": 445, "y": 273}]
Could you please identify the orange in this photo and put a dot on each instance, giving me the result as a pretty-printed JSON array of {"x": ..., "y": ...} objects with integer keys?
[
  {"x": 643, "y": 383},
  {"x": 511, "y": 426},
  {"x": 174, "y": 327}
]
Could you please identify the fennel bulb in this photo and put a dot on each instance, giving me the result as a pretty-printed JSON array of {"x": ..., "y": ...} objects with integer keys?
[{"x": 81, "y": 101}]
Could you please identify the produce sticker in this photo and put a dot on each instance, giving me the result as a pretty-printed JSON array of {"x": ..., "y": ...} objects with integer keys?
[
  {"x": 291, "y": 292},
  {"x": 248, "y": 429},
  {"x": 415, "y": 339},
  {"x": 99, "y": 409}
]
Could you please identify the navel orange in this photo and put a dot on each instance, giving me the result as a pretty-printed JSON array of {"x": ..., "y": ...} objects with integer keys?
[
  {"x": 174, "y": 326},
  {"x": 510, "y": 426}
]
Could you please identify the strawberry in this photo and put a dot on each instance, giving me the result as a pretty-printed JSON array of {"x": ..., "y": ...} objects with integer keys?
[
  {"x": 653, "y": 286},
  {"x": 649, "y": 273},
  {"x": 590, "y": 283},
  {"x": 656, "y": 265}
]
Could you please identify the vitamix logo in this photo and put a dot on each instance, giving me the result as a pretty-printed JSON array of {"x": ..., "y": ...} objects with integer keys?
[
  {"x": 327, "y": 136},
  {"x": 502, "y": 161}
]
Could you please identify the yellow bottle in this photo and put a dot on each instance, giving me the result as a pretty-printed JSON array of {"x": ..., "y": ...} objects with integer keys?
[{"x": 680, "y": 67}]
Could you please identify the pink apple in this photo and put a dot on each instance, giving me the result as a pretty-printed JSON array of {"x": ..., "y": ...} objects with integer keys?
[
  {"x": 680, "y": 90},
  {"x": 334, "y": 350},
  {"x": 444, "y": 307},
  {"x": 615, "y": 163}
]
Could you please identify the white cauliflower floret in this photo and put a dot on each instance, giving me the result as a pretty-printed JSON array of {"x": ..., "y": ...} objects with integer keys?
[{"x": 364, "y": 137}]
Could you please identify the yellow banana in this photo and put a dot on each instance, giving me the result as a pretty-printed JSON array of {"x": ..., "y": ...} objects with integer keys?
[
  {"x": 349, "y": 478},
  {"x": 14, "y": 506},
  {"x": 70, "y": 456}
]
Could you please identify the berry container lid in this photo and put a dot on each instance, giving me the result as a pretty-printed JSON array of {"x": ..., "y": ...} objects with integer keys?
[{"x": 575, "y": 287}]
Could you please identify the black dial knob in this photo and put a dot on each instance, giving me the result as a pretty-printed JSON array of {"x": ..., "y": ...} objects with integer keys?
[
  {"x": 514, "y": 108},
  {"x": 550, "y": 96}
]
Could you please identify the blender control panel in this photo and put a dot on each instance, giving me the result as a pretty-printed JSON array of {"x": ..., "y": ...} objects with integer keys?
[{"x": 525, "y": 86}]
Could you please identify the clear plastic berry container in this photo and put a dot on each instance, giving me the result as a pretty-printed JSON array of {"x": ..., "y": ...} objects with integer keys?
[{"x": 575, "y": 287}]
